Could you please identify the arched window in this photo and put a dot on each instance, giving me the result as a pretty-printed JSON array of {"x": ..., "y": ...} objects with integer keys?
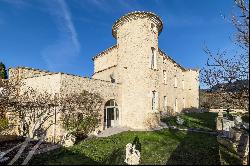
[
  {"x": 111, "y": 103},
  {"x": 111, "y": 114}
]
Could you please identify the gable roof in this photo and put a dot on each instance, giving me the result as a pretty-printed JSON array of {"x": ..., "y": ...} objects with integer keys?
[{"x": 105, "y": 52}]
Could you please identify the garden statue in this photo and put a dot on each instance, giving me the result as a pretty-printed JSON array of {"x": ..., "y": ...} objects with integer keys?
[
  {"x": 238, "y": 121},
  {"x": 1, "y": 90},
  {"x": 245, "y": 125},
  {"x": 220, "y": 114},
  {"x": 179, "y": 121},
  {"x": 68, "y": 140},
  {"x": 132, "y": 155}
]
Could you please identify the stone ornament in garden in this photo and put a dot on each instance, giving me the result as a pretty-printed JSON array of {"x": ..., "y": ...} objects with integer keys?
[
  {"x": 68, "y": 140},
  {"x": 2, "y": 158},
  {"x": 245, "y": 125},
  {"x": 220, "y": 114},
  {"x": 1, "y": 90},
  {"x": 179, "y": 121},
  {"x": 237, "y": 121},
  {"x": 132, "y": 155}
]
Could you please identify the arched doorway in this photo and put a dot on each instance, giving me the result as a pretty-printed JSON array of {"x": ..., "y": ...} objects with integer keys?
[{"x": 111, "y": 114}]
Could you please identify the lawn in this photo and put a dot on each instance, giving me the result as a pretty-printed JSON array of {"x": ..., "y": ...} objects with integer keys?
[
  {"x": 205, "y": 121},
  {"x": 157, "y": 147}
]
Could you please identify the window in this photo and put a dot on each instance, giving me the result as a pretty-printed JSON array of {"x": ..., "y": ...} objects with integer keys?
[
  {"x": 184, "y": 103},
  {"x": 153, "y": 58},
  {"x": 154, "y": 100},
  {"x": 183, "y": 85},
  {"x": 164, "y": 76},
  {"x": 112, "y": 78},
  {"x": 117, "y": 113},
  {"x": 176, "y": 105},
  {"x": 175, "y": 81},
  {"x": 165, "y": 103},
  {"x": 153, "y": 27}
]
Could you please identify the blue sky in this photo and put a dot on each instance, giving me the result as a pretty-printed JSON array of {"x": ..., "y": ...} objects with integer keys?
[{"x": 64, "y": 35}]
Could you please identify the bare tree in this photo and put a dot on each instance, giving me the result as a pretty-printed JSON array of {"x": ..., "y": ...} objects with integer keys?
[
  {"x": 29, "y": 111},
  {"x": 231, "y": 75},
  {"x": 34, "y": 112}
]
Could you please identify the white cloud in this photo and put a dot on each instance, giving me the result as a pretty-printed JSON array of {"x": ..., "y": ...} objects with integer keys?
[{"x": 59, "y": 54}]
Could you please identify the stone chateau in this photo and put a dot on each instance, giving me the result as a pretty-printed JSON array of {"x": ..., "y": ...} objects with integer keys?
[{"x": 135, "y": 77}]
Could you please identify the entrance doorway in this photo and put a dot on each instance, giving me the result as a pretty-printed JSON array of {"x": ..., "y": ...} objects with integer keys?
[{"x": 111, "y": 114}]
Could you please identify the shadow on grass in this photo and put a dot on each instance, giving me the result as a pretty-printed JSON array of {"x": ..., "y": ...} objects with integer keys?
[
  {"x": 116, "y": 158},
  {"x": 196, "y": 149},
  {"x": 62, "y": 156},
  {"x": 205, "y": 121}
]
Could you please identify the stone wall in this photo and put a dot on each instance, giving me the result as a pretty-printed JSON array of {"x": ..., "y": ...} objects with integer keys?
[
  {"x": 74, "y": 84},
  {"x": 231, "y": 110},
  {"x": 106, "y": 74},
  {"x": 45, "y": 83},
  {"x": 25, "y": 72},
  {"x": 169, "y": 89},
  {"x": 107, "y": 90},
  {"x": 192, "y": 86},
  {"x": 105, "y": 59},
  {"x": 59, "y": 83}
]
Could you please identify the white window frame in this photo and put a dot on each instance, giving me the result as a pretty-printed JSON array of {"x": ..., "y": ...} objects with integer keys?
[
  {"x": 153, "y": 59},
  {"x": 176, "y": 104},
  {"x": 165, "y": 104},
  {"x": 184, "y": 103},
  {"x": 164, "y": 76},
  {"x": 154, "y": 101},
  {"x": 175, "y": 82}
]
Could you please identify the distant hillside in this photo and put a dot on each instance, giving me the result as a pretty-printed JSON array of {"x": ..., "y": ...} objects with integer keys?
[
  {"x": 211, "y": 98},
  {"x": 231, "y": 87}
]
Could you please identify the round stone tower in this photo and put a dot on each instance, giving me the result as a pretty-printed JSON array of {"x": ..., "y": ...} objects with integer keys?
[{"x": 137, "y": 42}]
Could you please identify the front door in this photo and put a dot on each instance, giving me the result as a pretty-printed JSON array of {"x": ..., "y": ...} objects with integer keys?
[{"x": 110, "y": 117}]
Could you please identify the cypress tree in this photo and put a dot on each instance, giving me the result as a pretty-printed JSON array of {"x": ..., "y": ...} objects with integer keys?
[{"x": 3, "y": 71}]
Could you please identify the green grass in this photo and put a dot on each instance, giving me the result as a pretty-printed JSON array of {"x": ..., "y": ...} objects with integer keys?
[
  {"x": 162, "y": 147},
  {"x": 204, "y": 121},
  {"x": 157, "y": 147},
  {"x": 229, "y": 156}
]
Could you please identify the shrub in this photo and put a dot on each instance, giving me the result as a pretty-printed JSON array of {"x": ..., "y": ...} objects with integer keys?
[
  {"x": 3, "y": 124},
  {"x": 82, "y": 113}
]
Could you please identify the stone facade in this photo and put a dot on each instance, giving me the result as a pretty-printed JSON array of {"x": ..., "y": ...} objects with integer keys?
[
  {"x": 141, "y": 78},
  {"x": 132, "y": 69}
]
